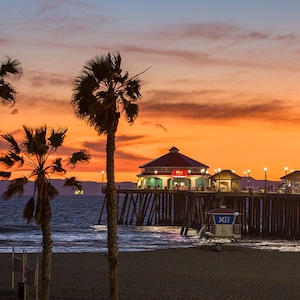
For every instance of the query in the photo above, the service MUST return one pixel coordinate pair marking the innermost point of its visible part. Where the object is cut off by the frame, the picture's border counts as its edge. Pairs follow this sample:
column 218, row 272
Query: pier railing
column 266, row 215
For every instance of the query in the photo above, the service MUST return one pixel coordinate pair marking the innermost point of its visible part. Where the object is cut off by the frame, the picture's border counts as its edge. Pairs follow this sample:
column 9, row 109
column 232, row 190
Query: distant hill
column 89, row 187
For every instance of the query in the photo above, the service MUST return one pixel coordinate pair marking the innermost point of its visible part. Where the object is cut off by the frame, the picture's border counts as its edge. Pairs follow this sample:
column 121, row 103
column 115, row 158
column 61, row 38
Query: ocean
column 74, row 229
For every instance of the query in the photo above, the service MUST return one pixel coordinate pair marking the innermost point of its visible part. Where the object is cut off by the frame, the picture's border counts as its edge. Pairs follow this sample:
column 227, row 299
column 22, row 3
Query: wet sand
column 194, row 273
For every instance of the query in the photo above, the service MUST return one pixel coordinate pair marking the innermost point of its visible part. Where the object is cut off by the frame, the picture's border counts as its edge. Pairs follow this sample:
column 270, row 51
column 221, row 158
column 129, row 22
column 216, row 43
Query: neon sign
column 179, row 173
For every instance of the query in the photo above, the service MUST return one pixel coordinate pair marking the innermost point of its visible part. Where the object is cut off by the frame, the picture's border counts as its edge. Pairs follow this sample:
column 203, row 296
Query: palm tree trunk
column 46, row 260
column 112, row 217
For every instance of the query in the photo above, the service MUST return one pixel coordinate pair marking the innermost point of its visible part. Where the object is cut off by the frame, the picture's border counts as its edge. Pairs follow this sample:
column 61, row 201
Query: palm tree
column 101, row 92
column 8, row 67
column 34, row 152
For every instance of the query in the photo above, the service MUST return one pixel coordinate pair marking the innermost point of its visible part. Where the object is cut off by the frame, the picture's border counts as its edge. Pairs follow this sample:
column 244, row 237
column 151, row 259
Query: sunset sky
column 223, row 85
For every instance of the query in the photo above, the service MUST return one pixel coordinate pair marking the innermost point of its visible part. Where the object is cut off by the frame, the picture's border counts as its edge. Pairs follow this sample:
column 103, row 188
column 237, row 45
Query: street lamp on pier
column 248, row 175
column 285, row 181
column 219, row 171
column 102, row 180
column 202, row 179
column 265, row 169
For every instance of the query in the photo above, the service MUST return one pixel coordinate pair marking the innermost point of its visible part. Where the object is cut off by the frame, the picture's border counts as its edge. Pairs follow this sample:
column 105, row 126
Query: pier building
column 290, row 182
column 174, row 171
column 225, row 181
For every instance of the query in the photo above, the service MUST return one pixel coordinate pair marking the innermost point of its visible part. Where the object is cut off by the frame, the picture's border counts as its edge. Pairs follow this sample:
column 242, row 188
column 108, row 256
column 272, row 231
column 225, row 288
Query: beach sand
column 194, row 273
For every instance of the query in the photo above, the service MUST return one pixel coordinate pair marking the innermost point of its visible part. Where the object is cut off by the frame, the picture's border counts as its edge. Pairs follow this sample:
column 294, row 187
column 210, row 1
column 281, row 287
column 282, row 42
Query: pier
column 263, row 214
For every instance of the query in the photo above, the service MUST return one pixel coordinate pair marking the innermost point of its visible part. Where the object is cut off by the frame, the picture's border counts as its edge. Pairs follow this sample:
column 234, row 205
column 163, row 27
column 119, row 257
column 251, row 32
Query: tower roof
column 226, row 174
column 174, row 159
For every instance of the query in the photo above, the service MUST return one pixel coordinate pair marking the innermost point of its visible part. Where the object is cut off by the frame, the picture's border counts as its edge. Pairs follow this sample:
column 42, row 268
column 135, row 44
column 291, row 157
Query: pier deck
column 265, row 215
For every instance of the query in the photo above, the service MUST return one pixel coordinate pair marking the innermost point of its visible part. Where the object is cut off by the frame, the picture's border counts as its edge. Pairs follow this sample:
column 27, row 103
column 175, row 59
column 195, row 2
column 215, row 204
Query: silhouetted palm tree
column 101, row 93
column 8, row 67
column 35, row 152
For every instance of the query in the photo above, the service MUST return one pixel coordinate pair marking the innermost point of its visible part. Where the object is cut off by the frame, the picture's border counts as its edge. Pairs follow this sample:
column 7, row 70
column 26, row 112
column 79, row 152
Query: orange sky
column 223, row 86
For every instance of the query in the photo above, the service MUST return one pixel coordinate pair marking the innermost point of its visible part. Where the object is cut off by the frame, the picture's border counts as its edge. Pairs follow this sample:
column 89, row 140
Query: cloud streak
column 268, row 110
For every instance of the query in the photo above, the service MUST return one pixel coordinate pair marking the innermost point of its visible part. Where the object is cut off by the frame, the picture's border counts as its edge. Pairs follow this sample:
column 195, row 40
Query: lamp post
column 202, row 179
column 245, row 181
column 285, row 180
column 155, row 178
column 265, row 169
column 219, row 171
column 248, row 173
column 102, row 180
column 189, row 171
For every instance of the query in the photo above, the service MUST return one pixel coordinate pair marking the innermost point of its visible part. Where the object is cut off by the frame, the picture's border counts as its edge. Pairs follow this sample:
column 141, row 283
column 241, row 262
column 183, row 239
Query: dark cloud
column 49, row 104
column 146, row 123
column 186, row 54
column 41, row 79
column 221, row 111
column 56, row 7
column 128, row 138
column 161, row 127
column 3, row 41
column 97, row 146
column 201, row 58
column 14, row 112
column 128, row 156
column 216, row 31
column 158, row 125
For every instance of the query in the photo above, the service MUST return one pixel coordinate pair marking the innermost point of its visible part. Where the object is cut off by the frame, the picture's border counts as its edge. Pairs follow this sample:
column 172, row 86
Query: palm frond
column 28, row 142
column 40, row 142
column 29, row 210
column 131, row 112
column 7, row 161
column 13, row 144
column 57, row 166
column 101, row 86
column 16, row 187
column 73, row 182
column 56, row 138
column 5, row 175
column 35, row 143
column 17, row 158
column 100, row 68
column 7, row 93
column 10, row 67
column 84, row 101
column 133, row 89
column 82, row 156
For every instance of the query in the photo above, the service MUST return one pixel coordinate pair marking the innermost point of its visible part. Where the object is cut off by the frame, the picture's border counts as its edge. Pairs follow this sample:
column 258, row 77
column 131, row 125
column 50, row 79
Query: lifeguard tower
column 223, row 224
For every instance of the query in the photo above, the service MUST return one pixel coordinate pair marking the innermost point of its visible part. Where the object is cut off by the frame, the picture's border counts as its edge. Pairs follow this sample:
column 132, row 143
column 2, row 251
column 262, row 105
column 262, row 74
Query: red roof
column 174, row 159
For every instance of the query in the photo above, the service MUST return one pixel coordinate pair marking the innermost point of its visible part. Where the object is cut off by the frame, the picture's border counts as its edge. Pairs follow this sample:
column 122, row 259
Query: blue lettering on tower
column 224, row 219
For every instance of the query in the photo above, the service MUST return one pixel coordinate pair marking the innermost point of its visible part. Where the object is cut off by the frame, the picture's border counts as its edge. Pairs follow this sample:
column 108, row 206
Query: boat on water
column 78, row 192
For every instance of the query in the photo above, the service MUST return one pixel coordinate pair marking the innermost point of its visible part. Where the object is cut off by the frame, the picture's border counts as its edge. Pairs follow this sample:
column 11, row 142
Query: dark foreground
column 171, row 274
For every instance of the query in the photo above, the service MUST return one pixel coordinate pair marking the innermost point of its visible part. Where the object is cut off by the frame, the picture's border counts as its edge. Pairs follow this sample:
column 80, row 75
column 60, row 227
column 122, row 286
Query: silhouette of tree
column 102, row 91
column 8, row 67
column 34, row 152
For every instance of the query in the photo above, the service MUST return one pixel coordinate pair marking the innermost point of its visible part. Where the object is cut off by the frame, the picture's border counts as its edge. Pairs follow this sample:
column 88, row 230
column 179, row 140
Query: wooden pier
column 265, row 215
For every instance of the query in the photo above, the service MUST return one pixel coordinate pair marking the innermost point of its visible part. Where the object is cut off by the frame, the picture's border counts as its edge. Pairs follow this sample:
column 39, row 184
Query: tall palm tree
column 102, row 91
column 8, row 67
column 35, row 152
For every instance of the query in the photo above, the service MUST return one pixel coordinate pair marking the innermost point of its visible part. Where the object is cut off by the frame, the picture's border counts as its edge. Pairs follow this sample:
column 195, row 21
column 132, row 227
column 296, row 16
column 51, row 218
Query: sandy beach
column 192, row 273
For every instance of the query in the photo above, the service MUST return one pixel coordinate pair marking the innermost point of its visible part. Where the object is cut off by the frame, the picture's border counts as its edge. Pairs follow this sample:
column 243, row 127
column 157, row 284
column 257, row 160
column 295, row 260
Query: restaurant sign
column 179, row 174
